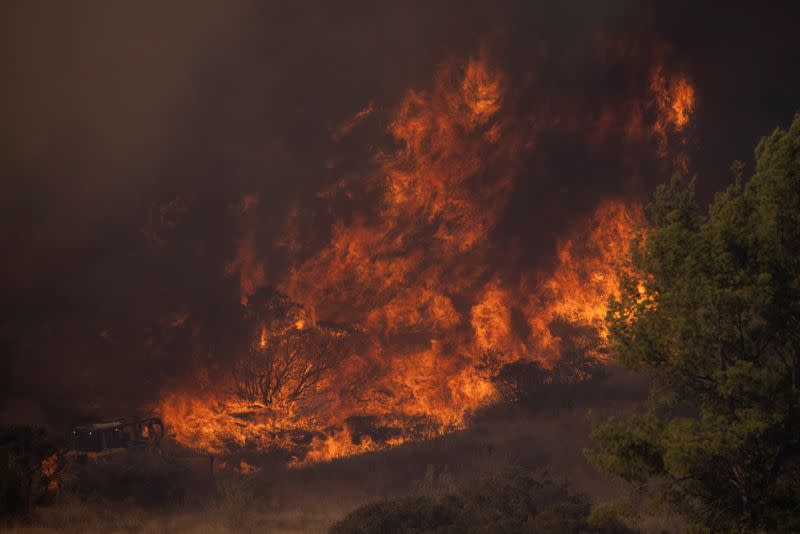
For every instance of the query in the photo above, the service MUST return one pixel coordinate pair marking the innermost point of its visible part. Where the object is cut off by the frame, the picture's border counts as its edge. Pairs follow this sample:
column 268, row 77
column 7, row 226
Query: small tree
column 290, row 364
column 718, row 329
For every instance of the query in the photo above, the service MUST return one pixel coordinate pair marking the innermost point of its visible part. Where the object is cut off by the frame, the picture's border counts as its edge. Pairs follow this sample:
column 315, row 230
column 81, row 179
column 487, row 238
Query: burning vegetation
column 407, row 320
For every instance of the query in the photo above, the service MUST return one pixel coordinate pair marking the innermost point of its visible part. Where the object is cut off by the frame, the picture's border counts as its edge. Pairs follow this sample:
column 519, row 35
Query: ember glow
column 417, row 275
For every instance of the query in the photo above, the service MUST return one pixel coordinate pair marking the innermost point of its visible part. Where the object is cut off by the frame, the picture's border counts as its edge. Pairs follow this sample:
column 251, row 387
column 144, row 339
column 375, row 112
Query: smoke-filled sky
column 153, row 153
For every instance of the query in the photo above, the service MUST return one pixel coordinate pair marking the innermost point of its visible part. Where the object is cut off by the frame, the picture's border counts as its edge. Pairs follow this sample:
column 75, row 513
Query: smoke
column 133, row 134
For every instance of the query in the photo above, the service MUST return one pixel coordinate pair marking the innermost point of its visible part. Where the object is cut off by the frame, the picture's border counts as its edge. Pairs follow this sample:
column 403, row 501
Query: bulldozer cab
column 119, row 434
column 99, row 455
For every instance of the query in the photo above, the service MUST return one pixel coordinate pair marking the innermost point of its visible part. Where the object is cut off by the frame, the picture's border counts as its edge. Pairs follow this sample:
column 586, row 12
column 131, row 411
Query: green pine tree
column 710, row 309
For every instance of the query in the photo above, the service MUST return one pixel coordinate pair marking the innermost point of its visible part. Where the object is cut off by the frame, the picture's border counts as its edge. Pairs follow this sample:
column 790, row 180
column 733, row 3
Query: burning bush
column 289, row 365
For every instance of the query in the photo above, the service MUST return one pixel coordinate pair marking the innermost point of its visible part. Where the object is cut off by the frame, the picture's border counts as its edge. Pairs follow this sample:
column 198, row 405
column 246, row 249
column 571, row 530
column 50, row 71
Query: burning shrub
column 286, row 366
column 290, row 359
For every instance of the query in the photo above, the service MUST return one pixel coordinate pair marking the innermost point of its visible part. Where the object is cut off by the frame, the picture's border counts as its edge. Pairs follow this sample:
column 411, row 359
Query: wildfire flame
column 674, row 100
column 416, row 275
column 262, row 340
column 585, row 276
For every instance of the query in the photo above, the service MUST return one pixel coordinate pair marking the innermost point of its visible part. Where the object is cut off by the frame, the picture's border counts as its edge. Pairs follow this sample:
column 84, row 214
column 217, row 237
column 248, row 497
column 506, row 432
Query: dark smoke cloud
column 132, row 131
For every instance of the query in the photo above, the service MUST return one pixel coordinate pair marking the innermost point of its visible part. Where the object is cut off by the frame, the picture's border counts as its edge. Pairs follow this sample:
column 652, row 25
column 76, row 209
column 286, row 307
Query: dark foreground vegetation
column 508, row 503
column 717, row 328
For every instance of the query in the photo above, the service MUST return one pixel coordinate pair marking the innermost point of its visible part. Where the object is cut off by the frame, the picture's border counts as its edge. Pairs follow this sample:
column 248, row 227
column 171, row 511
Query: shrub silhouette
column 511, row 503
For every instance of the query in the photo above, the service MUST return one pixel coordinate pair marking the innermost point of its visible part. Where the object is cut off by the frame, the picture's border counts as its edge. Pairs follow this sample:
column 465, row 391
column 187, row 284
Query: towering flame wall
column 420, row 273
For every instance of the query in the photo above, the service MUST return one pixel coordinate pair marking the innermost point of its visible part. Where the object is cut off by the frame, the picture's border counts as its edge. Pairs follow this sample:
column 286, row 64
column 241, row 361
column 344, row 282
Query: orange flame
column 416, row 275
column 50, row 465
column 262, row 341
column 585, row 276
column 674, row 101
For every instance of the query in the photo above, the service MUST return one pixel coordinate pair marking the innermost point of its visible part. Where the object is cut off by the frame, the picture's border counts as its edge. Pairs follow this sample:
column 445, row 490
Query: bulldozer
column 99, row 442
column 126, row 458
